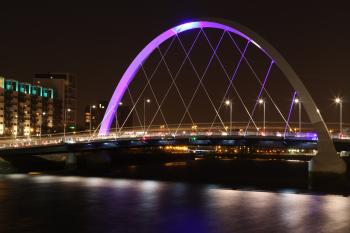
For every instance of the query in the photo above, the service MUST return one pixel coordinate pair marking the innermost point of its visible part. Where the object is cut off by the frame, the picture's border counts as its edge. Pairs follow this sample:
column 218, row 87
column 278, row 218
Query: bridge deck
column 251, row 141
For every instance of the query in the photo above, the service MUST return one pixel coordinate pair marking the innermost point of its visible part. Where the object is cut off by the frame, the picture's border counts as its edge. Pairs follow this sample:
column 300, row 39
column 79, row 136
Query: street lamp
column 42, row 120
column 340, row 102
column 263, row 102
column 65, row 122
column 229, row 103
column 91, row 106
column 116, row 121
column 298, row 102
column 145, row 101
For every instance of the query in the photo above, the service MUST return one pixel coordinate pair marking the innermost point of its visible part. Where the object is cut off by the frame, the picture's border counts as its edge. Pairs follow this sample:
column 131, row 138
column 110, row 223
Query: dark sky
column 97, row 42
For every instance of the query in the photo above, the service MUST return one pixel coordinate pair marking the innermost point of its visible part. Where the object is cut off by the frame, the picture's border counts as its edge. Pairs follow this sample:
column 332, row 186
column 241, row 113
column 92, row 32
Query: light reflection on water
column 76, row 204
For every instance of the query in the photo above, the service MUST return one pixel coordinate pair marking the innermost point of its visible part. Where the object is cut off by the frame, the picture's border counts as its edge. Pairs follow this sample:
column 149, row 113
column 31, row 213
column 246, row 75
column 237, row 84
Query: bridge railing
column 189, row 130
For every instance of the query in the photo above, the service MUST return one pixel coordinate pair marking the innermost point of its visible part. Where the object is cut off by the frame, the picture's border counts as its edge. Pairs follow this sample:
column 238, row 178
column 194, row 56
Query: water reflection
column 77, row 204
column 339, row 207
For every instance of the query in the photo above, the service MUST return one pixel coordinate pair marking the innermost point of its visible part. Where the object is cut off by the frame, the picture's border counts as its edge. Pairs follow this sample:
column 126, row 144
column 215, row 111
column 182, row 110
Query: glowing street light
column 42, row 120
column 298, row 102
column 65, row 122
column 229, row 103
column 145, row 101
column 116, row 121
column 91, row 106
column 262, row 102
column 339, row 101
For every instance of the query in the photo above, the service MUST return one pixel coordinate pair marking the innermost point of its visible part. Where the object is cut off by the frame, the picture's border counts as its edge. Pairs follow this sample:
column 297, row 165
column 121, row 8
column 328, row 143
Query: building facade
column 25, row 109
column 64, row 86
column 2, row 105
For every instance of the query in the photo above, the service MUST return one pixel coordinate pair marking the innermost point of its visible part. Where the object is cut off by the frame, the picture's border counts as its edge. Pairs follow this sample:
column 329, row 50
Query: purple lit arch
column 327, row 158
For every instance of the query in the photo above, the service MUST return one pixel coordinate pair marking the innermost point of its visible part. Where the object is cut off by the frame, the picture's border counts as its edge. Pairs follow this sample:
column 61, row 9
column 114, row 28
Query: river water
column 76, row 204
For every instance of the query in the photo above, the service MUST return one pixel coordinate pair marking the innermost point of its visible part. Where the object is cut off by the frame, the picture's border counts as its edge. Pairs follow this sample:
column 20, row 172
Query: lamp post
column 25, row 116
column 263, row 102
column 340, row 102
column 91, row 106
column 65, row 123
column 298, row 102
column 42, row 120
column 145, row 101
column 116, row 120
column 229, row 103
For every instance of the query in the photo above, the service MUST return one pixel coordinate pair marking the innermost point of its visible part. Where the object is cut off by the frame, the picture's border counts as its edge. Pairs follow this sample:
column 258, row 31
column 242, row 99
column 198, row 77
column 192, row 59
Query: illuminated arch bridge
column 243, row 41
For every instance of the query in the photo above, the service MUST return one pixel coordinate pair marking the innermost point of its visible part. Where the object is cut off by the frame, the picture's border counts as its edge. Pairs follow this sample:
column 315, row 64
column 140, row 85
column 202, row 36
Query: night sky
column 97, row 42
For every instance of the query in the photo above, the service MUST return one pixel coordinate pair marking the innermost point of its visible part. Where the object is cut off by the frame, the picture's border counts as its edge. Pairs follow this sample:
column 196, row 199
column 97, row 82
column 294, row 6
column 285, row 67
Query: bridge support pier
column 322, row 164
column 327, row 172
column 71, row 161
